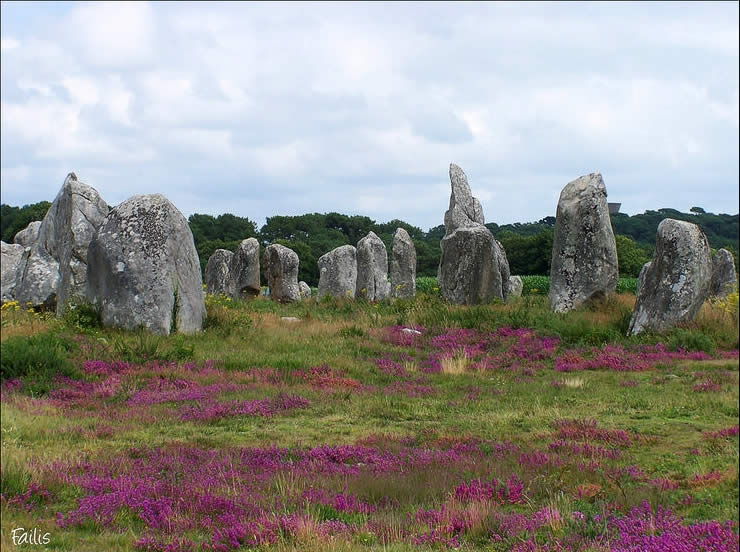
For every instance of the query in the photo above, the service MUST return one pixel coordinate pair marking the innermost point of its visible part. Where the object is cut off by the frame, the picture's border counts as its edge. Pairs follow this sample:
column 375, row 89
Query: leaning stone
column 470, row 269
column 464, row 210
column 245, row 270
column 515, row 286
column 13, row 258
column 29, row 235
column 677, row 281
column 338, row 272
column 372, row 268
column 403, row 265
column 280, row 264
column 143, row 269
column 304, row 289
column 218, row 277
column 724, row 275
column 641, row 277
column 584, row 251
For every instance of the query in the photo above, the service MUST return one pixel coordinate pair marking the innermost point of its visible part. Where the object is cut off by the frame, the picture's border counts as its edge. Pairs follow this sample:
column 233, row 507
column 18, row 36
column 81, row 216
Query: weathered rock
column 584, row 251
column 503, row 267
column 515, row 286
column 641, row 277
column 290, row 319
column 464, row 210
column 280, row 264
column 143, row 269
column 245, row 270
column 29, row 235
column 372, row 268
column 677, row 281
column 473, row 267
column 724, row 275
column 304, row 289
column 403, row 265
column 37, row 284
column 338, row 272
column 13, row 258
column 218, row 276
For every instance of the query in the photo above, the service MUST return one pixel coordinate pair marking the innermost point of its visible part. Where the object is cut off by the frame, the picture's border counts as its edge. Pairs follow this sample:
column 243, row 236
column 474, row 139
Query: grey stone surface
column 372, row 269
column 143, row 269
column 677, row 282
column 338, row 272
column 403, row 265
column 304, row 289
column 245, row 270
column 218, row 275
column 13, row 258
column 641, row 277
column 472, row 268
column 584, row 251
column 280, row 264
column 724, row 275
column 515, row 286
column 464, row 209
column 29, row 235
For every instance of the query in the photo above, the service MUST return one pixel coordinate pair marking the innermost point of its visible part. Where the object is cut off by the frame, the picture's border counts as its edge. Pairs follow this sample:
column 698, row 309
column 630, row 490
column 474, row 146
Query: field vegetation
column 412, row 425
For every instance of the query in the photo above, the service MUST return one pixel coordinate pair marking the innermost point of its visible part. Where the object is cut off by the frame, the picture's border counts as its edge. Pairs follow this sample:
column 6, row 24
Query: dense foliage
column 528, row 245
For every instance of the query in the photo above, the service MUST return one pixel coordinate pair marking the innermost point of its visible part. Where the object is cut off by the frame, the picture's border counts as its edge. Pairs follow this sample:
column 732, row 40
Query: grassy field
column 407, row 426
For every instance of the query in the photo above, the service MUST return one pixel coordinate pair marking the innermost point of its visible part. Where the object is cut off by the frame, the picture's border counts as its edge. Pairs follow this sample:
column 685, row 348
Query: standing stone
column 515, row 286
column 29, row 235
column 56, row 271
column 13, row 258
column 218, row 277
column 372, row 268
column 304, row 289
column 584, row 251
column 724, row 276
column 641, row 277
column 403, row 265
column 245, row 270
column 676, row 282
column 143, row 269
column 473, row 267
column 280, row 264
column 338, row 272
column 465, row 210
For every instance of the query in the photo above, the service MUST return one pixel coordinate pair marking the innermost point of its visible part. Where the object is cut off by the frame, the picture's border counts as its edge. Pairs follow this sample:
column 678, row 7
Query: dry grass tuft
column 455, row 364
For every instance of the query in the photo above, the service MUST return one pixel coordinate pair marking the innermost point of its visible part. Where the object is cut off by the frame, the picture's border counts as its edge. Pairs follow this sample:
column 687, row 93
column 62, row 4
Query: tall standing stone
column 143, row 269
column 473, row 267
column 245, row 270
column 676, row 282
column 280, row 264
column 338, row 272
column 372, row 268
column 56, row 271
column 724, row 275
column 584, row 251
column 403, row 265
column 218, row 275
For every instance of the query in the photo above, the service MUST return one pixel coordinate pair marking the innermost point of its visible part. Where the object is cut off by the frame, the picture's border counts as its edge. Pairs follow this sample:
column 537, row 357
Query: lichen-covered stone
column 724, row 275
column 280, row 264
column 465, row 210
column 218, row 275
column 13, row 258
column 676, row 282
column 515, row 286
column 245, row 270
column 304, row 289
column 29, row 235
column 472, row 268
column 372, row 269
column 143, row 269
column 338, row 272
column 403, row 265
column 584, row 251
column 641, row 277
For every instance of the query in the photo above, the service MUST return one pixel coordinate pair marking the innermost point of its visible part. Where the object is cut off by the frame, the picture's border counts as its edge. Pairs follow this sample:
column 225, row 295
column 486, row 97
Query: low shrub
column 36, row 360
column 427, row 284
column 535, row 285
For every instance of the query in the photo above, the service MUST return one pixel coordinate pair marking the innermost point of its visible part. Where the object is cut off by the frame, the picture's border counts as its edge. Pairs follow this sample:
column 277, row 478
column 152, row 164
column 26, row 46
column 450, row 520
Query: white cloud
column 7, row 44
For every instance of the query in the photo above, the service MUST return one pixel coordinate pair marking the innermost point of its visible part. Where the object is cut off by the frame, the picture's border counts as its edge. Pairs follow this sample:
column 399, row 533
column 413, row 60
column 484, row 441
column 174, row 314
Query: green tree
column 15, row 219
column 631, row 256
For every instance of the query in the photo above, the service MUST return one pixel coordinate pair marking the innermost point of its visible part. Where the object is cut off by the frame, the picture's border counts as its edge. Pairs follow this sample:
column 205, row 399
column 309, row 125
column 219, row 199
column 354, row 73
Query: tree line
column 528, row 245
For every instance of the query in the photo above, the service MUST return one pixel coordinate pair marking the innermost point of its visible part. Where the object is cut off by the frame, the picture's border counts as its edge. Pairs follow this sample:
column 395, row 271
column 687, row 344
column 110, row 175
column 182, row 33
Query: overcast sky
column 263, row 109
